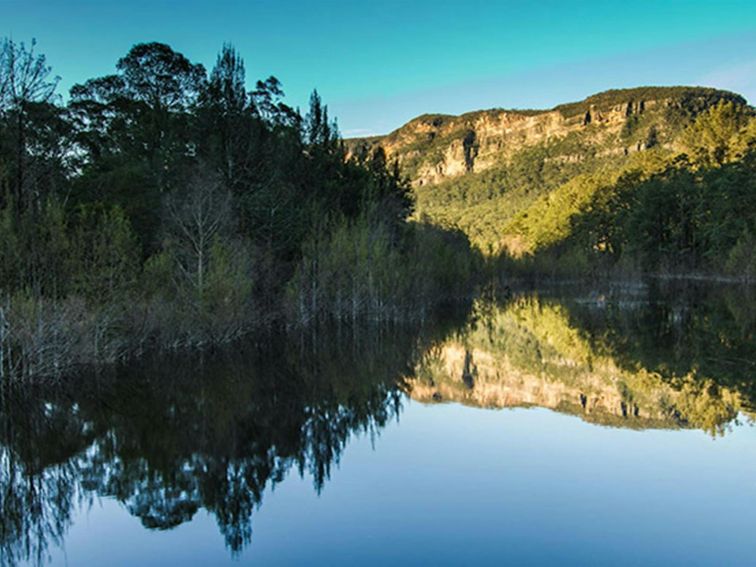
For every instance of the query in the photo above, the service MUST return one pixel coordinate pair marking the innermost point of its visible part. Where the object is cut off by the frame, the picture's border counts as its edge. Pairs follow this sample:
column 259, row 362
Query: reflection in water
column 655, row 358
column 174, row 435
column 170, row 436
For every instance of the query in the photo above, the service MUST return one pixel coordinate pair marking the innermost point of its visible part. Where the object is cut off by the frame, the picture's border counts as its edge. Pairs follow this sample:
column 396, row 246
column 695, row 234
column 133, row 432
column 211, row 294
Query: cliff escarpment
column 435, row 147
column 520, row 183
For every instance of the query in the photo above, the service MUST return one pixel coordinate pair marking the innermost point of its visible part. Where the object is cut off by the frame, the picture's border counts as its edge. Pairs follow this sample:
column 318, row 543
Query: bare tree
column 195, row 219
column 25, row 82
column 24, row 76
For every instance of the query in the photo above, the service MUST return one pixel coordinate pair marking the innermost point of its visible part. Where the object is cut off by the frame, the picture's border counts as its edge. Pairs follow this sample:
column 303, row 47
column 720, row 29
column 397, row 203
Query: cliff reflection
column 664, row 357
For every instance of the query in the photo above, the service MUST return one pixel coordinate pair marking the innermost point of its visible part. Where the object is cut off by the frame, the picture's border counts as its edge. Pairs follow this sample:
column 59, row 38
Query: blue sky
column 380, row 63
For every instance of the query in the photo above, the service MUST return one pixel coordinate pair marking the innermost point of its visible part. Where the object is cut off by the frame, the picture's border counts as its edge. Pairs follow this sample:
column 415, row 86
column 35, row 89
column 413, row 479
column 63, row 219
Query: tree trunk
column 20, row 151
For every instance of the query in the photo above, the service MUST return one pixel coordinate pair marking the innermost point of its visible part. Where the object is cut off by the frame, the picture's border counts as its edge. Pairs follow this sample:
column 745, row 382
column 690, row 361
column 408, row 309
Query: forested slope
column 648, row 179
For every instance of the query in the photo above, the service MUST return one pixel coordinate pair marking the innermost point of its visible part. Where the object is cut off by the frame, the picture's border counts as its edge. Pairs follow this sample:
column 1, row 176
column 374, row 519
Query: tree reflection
column 38, row 477
column 175, row 434
column 699, row 340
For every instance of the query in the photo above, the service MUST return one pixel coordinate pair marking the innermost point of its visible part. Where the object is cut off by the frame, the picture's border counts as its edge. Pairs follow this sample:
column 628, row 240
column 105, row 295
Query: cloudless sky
column 379, row 63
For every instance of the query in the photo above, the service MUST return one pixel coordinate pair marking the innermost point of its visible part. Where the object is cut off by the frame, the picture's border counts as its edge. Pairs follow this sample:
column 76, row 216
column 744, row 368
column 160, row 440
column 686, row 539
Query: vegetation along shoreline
column 165, row 207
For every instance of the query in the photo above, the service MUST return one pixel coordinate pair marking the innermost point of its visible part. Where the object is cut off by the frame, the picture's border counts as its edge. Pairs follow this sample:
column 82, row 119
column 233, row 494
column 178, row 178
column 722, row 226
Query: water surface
column 565, row 425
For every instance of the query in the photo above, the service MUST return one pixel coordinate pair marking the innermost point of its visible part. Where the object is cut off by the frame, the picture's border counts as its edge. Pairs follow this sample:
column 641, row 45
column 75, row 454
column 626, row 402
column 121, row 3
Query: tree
column 161, row 78
column 317, row 129
column 711, row 139
column 226, row 88
column 195, row 219
column 24, row 77
column 99, row 111
column 230, row 132
column 27, row 89
column 105, row 253
column 391, row 190
column 268, row 103
column 142, row 112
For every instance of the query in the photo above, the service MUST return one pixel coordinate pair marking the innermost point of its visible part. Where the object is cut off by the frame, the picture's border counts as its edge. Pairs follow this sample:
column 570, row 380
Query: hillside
column 515, row 180
column 436, row 147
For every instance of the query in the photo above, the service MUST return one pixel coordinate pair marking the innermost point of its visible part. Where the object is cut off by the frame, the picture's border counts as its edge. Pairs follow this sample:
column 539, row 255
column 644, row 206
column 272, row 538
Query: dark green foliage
column 104, row 253
column 166, row 207
column 34, row 135
column 684, row 220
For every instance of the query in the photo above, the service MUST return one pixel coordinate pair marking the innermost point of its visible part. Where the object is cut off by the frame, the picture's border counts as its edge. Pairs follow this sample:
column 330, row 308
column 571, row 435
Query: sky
column 380, row 63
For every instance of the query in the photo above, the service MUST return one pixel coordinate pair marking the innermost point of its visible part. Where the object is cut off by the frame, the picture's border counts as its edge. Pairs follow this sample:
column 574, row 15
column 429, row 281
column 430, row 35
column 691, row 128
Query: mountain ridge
column 434, row 147
column 578, row 186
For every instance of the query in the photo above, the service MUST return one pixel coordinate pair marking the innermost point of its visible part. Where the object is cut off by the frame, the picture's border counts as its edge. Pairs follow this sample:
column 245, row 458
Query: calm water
column 563, row 426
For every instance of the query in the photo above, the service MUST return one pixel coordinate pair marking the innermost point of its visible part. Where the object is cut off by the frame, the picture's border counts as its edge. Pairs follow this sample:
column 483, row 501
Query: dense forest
column 163, row 206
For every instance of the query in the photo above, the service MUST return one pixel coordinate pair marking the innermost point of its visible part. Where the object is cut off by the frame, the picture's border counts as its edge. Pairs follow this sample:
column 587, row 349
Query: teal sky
column 380, row 63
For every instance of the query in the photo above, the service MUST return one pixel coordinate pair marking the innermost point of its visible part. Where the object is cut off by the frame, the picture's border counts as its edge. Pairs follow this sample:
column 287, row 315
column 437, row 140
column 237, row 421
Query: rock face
column 435, row 147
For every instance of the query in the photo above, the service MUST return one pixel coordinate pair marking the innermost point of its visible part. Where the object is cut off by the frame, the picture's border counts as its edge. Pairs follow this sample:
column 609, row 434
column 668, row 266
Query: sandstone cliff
column 436, row 147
